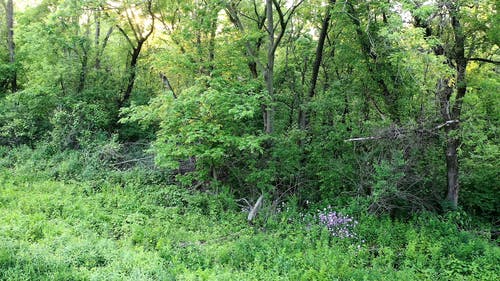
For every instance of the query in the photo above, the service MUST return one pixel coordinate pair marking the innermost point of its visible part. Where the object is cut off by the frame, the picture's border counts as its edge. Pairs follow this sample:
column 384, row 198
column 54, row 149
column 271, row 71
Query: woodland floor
column 52, row 230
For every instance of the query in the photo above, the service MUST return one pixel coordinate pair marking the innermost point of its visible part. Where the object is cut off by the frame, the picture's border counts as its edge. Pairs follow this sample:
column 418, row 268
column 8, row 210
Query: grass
column 54, row 230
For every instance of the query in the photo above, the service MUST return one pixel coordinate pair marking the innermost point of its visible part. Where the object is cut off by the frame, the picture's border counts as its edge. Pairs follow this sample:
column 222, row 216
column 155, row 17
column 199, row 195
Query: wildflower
column 337, row 224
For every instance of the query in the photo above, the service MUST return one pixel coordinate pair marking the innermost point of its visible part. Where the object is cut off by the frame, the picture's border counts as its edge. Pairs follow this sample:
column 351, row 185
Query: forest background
column 385, row 110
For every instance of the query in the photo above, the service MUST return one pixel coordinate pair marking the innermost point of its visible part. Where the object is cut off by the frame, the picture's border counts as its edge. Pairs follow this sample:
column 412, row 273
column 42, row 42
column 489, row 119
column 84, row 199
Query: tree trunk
column 250, row 50
column 452, row 171
column 268, row 108
column 373, row 66
column 211, row 46
column 97, row 17
column 131, row 74
column 100, row 49
column 83, row 71
column 10, row 42
column 453, row 140
column 303, row 118
column 140, row 38
column 451, row 113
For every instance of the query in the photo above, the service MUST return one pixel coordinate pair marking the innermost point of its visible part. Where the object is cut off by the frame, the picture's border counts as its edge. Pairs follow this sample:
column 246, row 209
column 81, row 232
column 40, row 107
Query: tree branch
column 126, row 36
column 485, row 60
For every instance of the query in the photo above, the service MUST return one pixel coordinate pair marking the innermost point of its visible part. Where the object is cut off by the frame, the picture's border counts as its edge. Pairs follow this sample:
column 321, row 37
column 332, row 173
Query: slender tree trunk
column 250, row 51
column 140, row 39
column 132, row 71
column 10, row 41
column 97, row 17
column 83, row 71
column 211, row 46
column 453, row 140
column 452, row 171
column 451, row 109
column 100, row 49
column 303, row 113
column 451, row 113
column 371, row 58
column 167, row 84
column 268, row 108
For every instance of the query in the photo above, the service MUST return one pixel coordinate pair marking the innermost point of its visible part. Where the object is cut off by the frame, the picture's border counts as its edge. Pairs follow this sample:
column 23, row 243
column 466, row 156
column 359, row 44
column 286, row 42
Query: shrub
column 24, row 116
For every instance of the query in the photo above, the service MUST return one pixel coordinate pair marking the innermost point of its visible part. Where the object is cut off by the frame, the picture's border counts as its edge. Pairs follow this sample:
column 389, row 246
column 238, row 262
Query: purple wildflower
column 337, row 224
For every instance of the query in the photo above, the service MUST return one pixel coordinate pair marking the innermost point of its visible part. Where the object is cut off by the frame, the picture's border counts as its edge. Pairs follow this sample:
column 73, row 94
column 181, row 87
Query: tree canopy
column 393, row 102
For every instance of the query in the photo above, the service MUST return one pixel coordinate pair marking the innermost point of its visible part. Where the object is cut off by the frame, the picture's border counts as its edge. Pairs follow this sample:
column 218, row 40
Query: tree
column 9, row 11
column 458, row 50
column 140, row 34
column 275, row 33
column 303, row 119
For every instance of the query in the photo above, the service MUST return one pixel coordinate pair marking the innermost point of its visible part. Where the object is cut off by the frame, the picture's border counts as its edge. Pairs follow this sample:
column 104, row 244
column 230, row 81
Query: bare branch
column 485, row 60
column 447, row 123
column 133, row 160
column 255, row 209
column 399, row 132
column 364, row 138
column 126, row 36
column 136, row 33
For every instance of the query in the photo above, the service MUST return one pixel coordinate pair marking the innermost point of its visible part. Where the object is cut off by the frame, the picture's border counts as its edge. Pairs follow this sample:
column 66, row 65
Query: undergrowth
column 122, row 225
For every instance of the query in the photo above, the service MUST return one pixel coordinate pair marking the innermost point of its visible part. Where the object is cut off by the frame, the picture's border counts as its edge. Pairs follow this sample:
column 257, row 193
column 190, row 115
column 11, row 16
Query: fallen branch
column 255, row 209
column 447, row 123
column 400, row 132
column 364, row 139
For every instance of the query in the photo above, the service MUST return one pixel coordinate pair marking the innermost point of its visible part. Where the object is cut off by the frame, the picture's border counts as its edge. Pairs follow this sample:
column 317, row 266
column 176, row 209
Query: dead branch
column 399, row 132
column 364, row 138
column 255, row 209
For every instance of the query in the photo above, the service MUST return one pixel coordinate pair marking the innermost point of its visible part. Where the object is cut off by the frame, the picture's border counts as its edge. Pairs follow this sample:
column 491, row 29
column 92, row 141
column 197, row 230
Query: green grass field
column 53, row 230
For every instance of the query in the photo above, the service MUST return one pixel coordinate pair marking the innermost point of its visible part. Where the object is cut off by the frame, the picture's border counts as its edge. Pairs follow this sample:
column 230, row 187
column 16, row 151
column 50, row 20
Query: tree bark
column 100, row 49
column 268, row 108
column 452, row 171
column 265, row 22
column 253, row 63
column 140, row 39
column 10, row 42
column 97, row 17
column 451, row 113
column 131, row 71
column 83, row 71
column 211, row 46
column 453, row 140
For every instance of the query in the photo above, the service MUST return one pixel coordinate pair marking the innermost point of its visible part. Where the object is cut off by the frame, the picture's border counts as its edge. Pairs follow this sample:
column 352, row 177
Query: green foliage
column 56, row 231
column 7, row 73
column 208, row 122
column 78, row 125
column 199, row 96
column 24, row 116
column 480, row 150
column 96, row 185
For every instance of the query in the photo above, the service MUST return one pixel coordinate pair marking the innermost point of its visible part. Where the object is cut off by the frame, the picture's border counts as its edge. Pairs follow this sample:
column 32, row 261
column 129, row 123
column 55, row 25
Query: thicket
column 390, row 108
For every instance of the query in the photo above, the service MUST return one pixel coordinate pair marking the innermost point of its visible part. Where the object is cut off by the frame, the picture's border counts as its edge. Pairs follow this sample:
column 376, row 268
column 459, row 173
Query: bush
column 77, row 126
column 24, row 116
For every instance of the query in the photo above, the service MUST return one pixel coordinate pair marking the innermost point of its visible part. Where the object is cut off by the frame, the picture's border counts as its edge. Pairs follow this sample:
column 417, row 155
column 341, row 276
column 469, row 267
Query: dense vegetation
column 126, row 228
column 244, row 139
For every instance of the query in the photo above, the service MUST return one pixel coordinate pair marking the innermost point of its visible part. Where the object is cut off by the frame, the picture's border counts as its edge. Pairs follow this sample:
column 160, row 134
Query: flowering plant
column 338, row 225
